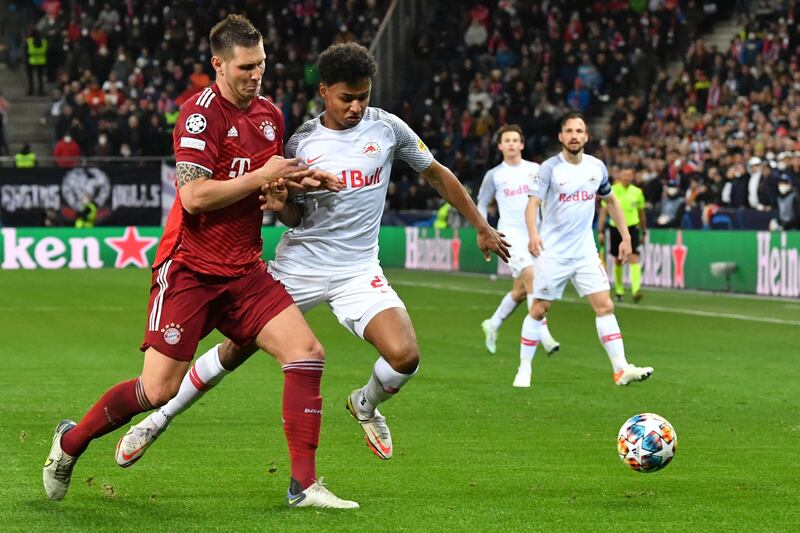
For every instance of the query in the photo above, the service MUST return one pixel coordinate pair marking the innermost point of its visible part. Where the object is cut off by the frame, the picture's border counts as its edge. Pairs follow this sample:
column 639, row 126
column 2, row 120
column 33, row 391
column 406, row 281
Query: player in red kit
column 209, row 274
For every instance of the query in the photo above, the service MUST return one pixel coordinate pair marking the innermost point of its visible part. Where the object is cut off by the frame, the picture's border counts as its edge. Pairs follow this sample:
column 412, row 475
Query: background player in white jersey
column 509, row 184
column 331, row 253
column 568, row 185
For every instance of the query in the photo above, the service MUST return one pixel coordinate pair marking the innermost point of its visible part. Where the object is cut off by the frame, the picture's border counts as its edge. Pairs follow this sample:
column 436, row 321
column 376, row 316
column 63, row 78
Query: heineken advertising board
column 765, row 263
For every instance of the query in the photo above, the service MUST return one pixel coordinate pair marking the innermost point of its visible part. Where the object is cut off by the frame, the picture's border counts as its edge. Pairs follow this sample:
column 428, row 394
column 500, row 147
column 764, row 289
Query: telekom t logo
column 239, row 167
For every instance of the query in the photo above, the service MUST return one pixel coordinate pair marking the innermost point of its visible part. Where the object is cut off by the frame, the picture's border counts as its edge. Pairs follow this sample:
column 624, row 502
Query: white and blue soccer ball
column 646, row 442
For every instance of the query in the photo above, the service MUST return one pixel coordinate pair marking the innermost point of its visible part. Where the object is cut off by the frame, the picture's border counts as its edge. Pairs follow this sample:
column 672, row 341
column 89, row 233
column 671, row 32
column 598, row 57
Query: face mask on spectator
column 784, row 188
column 672, row 192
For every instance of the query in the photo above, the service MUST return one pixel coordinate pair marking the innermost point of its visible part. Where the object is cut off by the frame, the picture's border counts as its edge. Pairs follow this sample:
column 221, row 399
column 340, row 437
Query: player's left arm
column 642, row 215
column 615, row 210
column 449, row 188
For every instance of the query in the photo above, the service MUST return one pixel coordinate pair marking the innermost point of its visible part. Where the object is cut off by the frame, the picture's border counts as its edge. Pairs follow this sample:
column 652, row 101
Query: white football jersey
column 339, row 231
column 510, row 186
column 569, row 193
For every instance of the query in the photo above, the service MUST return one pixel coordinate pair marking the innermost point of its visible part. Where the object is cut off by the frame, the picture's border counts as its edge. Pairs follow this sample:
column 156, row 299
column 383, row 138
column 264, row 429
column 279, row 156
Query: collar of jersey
column 339, row 132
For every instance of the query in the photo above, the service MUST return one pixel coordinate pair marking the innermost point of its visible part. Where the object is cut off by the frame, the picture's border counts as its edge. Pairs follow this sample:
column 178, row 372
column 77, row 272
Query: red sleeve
column 198, row 132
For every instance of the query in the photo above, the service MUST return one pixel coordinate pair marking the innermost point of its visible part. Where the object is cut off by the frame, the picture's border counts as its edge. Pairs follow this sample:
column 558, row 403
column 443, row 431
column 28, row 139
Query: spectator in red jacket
column 67, row 152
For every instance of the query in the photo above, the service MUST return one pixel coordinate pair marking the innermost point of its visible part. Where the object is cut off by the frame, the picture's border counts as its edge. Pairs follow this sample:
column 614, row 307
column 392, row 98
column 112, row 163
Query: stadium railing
column 390, row 47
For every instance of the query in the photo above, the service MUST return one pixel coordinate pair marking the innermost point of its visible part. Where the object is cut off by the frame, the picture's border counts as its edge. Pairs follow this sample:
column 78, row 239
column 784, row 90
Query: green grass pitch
column 471, row 452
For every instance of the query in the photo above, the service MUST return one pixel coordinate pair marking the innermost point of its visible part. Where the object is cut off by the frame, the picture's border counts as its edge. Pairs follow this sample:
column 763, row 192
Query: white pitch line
column 51, row 309
column 656, row 308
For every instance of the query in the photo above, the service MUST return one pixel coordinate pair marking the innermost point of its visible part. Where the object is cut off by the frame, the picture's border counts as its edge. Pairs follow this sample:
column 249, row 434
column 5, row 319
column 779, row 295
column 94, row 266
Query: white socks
column 506, row 307
column 529, row 340
column 204, row 374
column 384, row 383
column 610, row 336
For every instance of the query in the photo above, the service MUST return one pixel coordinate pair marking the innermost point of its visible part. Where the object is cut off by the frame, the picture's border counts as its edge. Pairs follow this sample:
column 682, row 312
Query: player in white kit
column 568, row 185
column 331, row 253
column 509, row 184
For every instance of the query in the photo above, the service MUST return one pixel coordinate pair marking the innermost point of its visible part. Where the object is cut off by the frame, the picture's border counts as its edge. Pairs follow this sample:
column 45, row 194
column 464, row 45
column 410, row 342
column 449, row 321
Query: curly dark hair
column 347, row 62
column 233, row 30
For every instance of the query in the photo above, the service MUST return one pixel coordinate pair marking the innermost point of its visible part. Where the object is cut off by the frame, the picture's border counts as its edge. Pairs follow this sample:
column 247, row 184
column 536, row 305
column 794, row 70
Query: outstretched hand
column 274, row 195
column 491, row 241
column 535, row 245
column 278, row 167
column 317, row 180
column 625, row 250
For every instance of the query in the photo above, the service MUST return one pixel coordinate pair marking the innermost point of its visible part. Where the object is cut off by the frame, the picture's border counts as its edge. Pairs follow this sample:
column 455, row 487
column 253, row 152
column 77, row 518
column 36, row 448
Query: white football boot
column 376, row 432
column 134, row 443
column 57, row 471
column 550, row 345
column 316, row 495
column 491, row 336
column 632, row 373
column 523, row 377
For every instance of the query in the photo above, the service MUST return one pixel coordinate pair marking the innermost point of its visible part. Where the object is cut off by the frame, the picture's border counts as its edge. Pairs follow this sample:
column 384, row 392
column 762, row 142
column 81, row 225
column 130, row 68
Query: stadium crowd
column 721, row 135
column 528, row 63
column 123, row 70
column 720, row 141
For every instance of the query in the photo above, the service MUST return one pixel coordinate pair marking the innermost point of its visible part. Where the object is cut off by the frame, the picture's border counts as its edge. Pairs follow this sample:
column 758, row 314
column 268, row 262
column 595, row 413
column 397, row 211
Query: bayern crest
column 268, row 128
column 172, row 333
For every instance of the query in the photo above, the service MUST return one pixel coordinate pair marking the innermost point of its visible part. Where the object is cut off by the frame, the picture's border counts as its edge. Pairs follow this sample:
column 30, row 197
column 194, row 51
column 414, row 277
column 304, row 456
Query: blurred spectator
column 36, row 53
column 788, row 204
column 672, row 207
column 4, row 107
column 25, row 158
column 66, row 153
column 12, row 26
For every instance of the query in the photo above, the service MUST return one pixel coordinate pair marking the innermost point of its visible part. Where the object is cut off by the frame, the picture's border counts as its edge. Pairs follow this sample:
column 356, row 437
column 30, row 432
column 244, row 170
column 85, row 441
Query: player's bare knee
column 403, row 357
column 604, row 308
column 160, row 393
column 316, row 351
column 232, row 355
column 539, row 309
column 518, row 294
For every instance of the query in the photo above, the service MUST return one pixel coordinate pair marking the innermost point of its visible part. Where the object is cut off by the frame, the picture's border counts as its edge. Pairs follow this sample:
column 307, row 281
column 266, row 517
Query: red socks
column 116, row 407
column 302, row 417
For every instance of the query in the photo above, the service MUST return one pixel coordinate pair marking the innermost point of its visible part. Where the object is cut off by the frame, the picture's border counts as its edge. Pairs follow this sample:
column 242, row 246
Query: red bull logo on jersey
column 371, row 149
column 522, row 189
column 577, row 196
column 355, row 179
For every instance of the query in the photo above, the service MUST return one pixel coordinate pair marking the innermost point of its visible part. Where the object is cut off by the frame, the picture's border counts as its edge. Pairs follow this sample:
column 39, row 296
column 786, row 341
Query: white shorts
column 355, row 296
column 520, row 258
column 586, row 274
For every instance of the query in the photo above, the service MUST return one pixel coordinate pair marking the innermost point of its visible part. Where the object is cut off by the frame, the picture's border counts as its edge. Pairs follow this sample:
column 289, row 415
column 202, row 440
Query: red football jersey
column 214, row 134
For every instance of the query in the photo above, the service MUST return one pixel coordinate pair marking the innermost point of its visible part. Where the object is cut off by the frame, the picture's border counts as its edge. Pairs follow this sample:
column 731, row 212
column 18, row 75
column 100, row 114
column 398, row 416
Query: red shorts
column 185, row 306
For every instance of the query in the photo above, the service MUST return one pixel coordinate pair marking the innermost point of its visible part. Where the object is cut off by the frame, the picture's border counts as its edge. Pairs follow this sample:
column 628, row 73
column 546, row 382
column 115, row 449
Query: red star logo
column 679, row 252
column 131, row 248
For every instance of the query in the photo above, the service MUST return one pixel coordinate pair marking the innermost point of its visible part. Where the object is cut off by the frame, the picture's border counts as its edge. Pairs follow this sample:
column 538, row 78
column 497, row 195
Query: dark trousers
column 39, row 71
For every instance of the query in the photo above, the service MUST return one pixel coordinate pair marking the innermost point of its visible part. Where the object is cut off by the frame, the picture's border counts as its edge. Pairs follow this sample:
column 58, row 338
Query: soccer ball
column 646, row 442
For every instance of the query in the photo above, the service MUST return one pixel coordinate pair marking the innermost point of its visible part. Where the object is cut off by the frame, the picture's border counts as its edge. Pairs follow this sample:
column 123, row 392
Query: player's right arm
column 199, row 192
column 535, row 244
column 601, row 223
column 486, row 193
column 538, row 190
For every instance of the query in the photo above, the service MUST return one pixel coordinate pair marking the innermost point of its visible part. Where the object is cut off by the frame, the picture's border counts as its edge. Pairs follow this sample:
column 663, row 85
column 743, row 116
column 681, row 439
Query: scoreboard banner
column 123, row 195
column 757, row 262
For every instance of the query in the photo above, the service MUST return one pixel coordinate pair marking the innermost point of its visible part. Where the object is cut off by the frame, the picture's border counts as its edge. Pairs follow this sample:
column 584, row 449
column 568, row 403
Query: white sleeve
column 408, row 146
column 486, row 193
column 541, row 182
